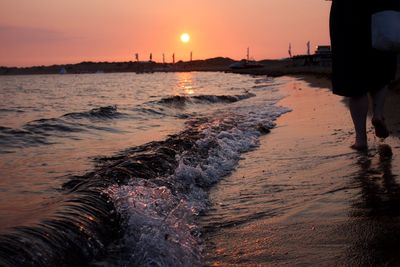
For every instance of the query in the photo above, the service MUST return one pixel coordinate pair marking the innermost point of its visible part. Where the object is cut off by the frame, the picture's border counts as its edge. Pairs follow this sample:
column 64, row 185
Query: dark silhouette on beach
column 359, row 70
column 375, row 232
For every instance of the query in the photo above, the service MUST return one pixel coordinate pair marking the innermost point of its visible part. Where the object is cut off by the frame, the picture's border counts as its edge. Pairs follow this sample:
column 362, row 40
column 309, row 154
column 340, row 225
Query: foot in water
column 381, row 130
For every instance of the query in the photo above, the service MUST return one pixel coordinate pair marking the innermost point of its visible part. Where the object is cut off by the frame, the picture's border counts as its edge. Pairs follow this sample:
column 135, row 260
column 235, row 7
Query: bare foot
column 381, row 130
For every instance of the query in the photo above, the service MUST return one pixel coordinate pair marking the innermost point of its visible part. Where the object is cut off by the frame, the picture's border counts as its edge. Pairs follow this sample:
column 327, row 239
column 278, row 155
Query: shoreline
column 271, row 67
column 304, row 197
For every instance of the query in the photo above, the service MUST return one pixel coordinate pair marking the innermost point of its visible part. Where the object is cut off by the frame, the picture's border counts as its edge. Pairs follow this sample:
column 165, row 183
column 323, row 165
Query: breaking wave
column 140, row 207
column 180, row 101
column 108, row 112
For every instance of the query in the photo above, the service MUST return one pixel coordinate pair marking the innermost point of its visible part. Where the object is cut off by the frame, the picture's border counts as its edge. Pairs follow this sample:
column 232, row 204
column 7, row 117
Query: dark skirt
column 357, row 68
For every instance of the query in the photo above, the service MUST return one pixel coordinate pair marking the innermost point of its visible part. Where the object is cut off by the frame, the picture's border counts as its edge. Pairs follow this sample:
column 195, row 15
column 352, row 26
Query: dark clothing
column 357, row 68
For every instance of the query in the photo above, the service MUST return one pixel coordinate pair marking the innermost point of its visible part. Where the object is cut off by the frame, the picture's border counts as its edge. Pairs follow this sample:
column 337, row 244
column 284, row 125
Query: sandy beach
column 304, row 198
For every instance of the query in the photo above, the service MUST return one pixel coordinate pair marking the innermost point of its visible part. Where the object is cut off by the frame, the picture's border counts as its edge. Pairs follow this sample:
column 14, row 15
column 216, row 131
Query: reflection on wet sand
column 304, row 198
column 376, row 235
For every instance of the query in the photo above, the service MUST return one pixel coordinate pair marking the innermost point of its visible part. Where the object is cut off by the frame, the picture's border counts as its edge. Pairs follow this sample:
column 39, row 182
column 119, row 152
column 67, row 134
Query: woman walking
column 358, row 70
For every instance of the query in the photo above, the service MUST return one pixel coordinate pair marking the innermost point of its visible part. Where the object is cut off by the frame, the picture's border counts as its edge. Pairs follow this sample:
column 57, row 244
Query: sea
column 115, row 169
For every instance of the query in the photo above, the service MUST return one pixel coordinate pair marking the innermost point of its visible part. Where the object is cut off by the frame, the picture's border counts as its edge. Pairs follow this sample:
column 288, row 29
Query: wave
column 47, row 126
column 223, row 98
column 12, row 138
column 180, row 101
column 158, row 112
column 84, row 226
column 140, row 207
column 107, row 112
column 11, row 110
column 39, row 132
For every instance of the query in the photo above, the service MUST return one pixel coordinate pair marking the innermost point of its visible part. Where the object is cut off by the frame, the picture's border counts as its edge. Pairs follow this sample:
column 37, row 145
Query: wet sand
column 304, row 198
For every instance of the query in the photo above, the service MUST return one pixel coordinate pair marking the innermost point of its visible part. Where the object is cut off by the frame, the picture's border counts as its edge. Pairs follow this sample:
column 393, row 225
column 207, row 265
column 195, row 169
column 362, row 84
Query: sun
column 185, row 37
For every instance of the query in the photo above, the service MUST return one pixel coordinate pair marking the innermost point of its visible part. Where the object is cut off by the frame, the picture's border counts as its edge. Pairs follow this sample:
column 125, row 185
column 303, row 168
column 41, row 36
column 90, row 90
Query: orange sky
column 43, row 32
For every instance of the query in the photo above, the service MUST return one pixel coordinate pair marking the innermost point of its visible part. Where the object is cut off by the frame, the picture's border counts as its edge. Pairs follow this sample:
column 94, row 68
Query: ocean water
column 114, row 169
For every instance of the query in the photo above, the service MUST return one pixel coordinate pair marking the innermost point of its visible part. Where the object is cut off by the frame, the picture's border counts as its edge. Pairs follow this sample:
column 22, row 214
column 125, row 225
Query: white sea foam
column 160, row 221
column 159, row 230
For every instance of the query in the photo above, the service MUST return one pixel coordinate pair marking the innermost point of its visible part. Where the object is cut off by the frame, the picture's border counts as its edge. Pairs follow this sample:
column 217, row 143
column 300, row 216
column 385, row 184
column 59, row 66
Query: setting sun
column 185, row 38
column 179, row 127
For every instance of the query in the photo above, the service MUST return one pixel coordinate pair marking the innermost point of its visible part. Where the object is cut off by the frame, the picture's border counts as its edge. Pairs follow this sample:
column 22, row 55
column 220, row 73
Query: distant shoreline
column 89, row 67
column 271, row 67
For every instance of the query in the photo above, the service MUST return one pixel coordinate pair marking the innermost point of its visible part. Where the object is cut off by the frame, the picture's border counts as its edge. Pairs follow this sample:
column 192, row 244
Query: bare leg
column 378, row 100
column 378, row 120
column 358, row 111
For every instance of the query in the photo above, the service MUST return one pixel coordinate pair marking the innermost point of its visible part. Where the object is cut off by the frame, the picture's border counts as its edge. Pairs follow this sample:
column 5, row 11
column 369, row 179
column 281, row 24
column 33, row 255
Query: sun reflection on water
column 185, row 84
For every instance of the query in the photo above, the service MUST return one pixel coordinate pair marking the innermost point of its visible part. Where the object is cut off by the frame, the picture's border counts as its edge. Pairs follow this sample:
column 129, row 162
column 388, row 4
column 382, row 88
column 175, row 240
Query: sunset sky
column 43, row 32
